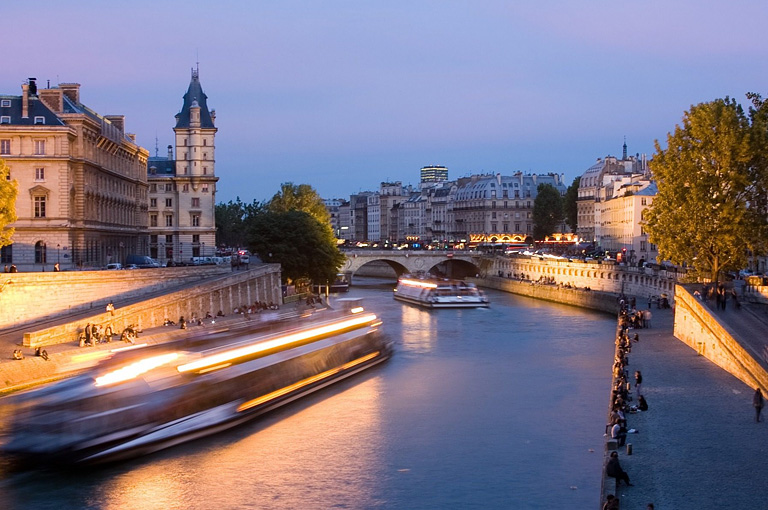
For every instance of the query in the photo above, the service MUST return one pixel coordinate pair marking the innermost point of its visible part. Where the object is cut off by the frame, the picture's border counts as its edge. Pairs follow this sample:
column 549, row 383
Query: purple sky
column 342, row 95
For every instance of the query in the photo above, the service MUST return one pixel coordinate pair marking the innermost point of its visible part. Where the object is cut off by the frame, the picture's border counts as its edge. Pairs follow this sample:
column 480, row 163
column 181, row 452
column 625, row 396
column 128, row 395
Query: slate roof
column 164, row 167
column 36, row 109
column 194, row 94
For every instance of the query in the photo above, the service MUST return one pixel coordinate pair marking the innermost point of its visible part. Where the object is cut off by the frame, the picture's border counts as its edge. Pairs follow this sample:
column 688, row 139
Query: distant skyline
column 342, row 95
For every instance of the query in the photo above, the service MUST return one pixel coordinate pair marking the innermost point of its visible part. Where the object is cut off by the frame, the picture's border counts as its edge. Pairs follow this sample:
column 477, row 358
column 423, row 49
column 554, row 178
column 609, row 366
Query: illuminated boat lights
column 417, row 283
column 135, row 369
column 282, row 341
column 305, row 382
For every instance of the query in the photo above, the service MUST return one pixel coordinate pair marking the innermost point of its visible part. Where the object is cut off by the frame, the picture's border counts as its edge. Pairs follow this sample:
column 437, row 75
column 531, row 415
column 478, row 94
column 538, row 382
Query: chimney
column 213, row 116
column 131, row 137
column 52, row 99
column 117, row 120
column 71, row 90
column 24, row 101
column 170, row 152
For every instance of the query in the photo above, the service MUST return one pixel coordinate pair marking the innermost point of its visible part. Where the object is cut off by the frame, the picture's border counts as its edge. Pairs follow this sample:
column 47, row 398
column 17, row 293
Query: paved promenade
column 698, row 446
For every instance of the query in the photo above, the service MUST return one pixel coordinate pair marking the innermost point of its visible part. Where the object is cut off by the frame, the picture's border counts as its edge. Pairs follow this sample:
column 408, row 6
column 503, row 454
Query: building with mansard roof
column 82, row 182
column 598, row 175
column 182, row 189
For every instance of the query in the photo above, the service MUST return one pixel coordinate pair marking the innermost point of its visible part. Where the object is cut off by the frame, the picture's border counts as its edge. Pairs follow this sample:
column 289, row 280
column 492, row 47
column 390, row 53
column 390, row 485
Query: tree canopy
column 303, row 246
column 711, row 205
column 8, row 192
column 300, row 197
column 570, row 204
column 231, row 221
column 547, row 211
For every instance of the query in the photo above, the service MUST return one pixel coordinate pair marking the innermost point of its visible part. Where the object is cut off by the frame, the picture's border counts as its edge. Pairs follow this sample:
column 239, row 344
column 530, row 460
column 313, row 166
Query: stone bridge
column 454, row 264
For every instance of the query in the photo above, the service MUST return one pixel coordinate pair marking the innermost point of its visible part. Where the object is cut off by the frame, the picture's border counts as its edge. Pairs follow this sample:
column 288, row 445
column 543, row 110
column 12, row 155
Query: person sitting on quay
column 42, row 353
column 611, row 502
column 613, row 469
column 182, row 323
column 17, row 354
column 757, row 403
column 619, row 433
column 642, row 405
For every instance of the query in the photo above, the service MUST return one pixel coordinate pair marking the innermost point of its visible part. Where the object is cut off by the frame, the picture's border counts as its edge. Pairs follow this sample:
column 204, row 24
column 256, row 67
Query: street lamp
column 203, row 254
column 58, row 253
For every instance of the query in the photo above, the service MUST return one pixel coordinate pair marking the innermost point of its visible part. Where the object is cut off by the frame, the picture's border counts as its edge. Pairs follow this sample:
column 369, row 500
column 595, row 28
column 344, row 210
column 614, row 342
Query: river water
column 499, row 408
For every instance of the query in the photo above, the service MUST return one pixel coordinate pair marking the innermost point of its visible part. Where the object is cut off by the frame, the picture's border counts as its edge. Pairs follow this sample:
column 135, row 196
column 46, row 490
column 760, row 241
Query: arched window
column 40, row 255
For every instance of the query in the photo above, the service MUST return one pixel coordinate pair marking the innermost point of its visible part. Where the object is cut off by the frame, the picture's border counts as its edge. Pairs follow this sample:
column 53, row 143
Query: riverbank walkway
column 698, row 446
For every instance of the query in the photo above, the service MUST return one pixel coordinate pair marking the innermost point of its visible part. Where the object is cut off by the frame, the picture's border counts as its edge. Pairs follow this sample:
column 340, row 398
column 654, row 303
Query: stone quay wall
column 231, row 289
column 29, row 297
column 604, row 276
column 708, row 336
column 594, row 300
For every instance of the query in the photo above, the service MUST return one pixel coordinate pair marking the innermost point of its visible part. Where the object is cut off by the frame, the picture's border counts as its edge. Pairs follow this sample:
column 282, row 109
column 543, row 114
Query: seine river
column 499, row 408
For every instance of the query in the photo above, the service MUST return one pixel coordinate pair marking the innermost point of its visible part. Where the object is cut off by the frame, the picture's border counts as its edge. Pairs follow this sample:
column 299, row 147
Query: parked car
column 141, row 261
column 114, row 266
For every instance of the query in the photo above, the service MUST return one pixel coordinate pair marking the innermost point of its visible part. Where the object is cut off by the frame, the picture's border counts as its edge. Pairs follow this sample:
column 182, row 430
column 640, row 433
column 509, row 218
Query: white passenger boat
column 143, row 400
column 433, row 292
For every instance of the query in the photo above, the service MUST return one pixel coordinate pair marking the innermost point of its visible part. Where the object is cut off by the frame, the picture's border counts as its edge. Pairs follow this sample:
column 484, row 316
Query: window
column 6, row 254
column 643, row 246
column 5, row 119
column 39, row 147
column 39, row 174
column 39, row 119
column 39, row 207
column 195, row 202
column 185, row 188
column 205, row 141
column 153, row 220
column 153, row 202
column 196, row 238
column 153, row 188
column 169, row 220
column 169, row 202
column 195, row 220
column 5, row 103
column 169, row 239
column 5, row 146
column 168, row 186
column 40, row 253
column 205, row 170
column 642, row 201
column 517, row 227
column 205, row 188
column 153, row 239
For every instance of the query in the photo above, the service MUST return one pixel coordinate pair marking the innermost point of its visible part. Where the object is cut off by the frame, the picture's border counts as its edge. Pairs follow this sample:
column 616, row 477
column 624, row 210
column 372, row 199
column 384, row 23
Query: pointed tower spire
column 624, row 152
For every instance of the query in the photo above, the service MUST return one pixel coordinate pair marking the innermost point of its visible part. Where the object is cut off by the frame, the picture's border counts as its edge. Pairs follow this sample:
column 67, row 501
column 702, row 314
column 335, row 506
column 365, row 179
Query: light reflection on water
column 488, row 408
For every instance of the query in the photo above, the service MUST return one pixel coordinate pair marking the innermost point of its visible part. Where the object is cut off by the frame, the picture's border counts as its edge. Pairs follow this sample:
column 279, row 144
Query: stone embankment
column 29, row 297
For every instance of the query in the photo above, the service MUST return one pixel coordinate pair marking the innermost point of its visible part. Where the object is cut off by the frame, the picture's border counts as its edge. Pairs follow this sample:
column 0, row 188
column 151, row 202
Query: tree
column 299, row 198
column 231, row 221
column 711, row 204
column 8, row 192
column 302, row 245
column 547, row 211
column 570, row 204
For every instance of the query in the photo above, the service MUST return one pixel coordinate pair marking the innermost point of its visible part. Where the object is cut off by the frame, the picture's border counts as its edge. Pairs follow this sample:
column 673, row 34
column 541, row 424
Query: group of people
column 95, row 334
column 621, row 395
column 720, row 293
column 10, row 269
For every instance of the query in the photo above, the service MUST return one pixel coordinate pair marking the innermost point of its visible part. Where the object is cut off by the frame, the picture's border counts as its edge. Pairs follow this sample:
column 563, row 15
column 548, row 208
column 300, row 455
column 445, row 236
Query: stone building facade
column 182, row 190
column 82, row 184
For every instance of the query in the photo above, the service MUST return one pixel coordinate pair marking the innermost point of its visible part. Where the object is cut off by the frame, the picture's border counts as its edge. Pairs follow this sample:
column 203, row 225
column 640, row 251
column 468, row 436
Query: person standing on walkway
column 638, row 383
column 757, row 403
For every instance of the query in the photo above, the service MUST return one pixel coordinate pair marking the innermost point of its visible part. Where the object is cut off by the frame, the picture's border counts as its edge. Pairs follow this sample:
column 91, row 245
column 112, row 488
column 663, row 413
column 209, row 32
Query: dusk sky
column 342, row 95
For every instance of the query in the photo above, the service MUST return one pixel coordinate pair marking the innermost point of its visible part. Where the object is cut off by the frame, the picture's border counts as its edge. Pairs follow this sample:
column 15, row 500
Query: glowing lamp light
column 135, row 369
column 282, row 341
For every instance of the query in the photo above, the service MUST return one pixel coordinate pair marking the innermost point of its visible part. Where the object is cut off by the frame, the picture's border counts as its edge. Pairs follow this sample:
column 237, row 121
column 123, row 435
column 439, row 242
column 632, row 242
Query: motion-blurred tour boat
column 147, row 399
column 439, row 292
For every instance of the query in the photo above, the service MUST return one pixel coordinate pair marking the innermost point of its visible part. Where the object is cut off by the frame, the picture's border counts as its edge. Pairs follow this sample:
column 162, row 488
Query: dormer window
column 39, row 120
column 5, row 103
column 5, row 119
